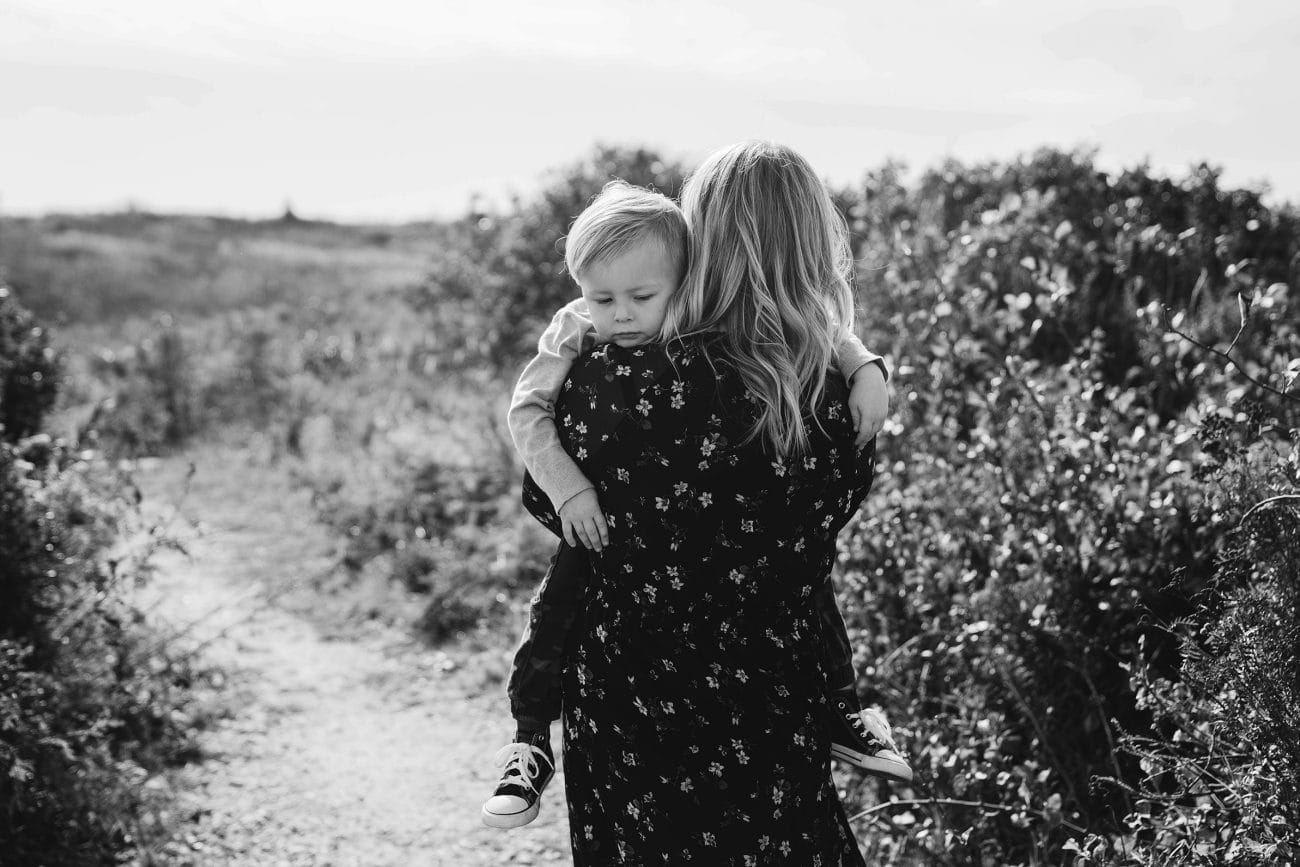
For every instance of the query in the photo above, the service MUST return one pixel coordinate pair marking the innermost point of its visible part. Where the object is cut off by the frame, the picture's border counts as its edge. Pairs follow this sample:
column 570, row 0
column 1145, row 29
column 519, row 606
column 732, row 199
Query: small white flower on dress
column 706, row 499
column 581, row 427
column 707, row 448
column 643, row 406
column 677, row 401
column 622, row 370
column 779, row 466
column 661, row 504
column 747, row 526
column 785, row 847
column 715, row 768
column 581, row 454
column 687, row 785
column 680, row 488
column 709, row 839
column 623, row 475
column 741, row 676
column 809, row 462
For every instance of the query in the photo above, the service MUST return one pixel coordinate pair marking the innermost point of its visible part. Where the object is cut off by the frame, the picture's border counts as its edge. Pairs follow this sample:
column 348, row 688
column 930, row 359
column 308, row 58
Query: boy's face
column 628, row 294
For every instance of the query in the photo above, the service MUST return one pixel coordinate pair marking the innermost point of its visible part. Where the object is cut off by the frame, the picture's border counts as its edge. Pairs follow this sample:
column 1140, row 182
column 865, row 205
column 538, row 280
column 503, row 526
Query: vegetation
column 1074, row 586
column 91, row 702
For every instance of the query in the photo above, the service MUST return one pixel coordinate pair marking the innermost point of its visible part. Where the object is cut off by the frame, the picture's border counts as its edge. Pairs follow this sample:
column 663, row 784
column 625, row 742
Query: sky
column 387, row 111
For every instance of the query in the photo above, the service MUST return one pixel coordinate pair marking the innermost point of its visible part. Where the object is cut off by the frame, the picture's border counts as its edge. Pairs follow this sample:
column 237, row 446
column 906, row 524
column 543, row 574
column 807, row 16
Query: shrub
column 1220, row 770
column 90, row 703
column 29, row 370
column 1039, row 535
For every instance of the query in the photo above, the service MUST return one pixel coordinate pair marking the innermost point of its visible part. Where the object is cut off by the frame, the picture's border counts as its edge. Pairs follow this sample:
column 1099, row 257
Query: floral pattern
column 694, row 717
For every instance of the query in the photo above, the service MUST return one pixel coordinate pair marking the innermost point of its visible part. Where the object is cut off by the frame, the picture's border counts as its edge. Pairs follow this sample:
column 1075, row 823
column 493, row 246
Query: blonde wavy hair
column 769, row 268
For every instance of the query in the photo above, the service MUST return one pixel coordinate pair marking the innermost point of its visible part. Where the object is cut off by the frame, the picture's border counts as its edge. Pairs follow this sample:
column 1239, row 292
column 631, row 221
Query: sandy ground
column 344, row 745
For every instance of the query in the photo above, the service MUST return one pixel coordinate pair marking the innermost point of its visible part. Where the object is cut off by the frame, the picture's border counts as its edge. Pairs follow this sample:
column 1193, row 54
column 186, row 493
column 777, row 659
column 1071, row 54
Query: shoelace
column 856, row 723
column 520, row 764
column 884, row 734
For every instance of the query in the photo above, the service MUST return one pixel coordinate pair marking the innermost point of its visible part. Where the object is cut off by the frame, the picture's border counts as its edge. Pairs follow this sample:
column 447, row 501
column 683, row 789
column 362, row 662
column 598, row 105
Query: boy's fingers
column 593, row 533
column 604, row 530
column 582, row 534
column 568, row 535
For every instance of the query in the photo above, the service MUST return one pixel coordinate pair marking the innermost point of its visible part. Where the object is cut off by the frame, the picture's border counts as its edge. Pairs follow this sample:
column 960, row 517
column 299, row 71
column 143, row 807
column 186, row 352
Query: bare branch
column 1226, row 357
column 950, row 802
column 1262, row 503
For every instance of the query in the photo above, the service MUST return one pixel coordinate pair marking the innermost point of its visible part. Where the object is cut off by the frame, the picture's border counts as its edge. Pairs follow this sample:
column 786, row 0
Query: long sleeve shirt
column 532, row 407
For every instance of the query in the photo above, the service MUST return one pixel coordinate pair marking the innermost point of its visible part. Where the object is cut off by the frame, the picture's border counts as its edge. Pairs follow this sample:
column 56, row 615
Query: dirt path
column 344, row 746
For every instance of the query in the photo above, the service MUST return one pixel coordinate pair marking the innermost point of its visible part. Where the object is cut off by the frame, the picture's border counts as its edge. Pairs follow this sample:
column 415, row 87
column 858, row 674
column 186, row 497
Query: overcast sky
column 388, row 110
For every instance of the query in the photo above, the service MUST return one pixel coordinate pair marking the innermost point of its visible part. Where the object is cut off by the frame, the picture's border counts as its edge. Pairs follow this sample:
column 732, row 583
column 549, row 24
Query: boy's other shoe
column 864, row 738
column 527, row 767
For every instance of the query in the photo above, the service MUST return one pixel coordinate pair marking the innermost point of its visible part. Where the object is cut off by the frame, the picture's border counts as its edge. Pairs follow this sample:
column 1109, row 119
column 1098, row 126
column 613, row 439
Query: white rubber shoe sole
column 886, row 763
column 494, row 819
column 512, row 811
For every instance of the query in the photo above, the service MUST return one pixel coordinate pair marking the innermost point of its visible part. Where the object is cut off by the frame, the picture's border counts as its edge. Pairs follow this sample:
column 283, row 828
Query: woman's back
column 698, row 639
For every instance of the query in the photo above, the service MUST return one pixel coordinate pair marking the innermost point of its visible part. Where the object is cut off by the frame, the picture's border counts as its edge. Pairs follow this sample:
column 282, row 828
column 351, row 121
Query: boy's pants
column 534, row 685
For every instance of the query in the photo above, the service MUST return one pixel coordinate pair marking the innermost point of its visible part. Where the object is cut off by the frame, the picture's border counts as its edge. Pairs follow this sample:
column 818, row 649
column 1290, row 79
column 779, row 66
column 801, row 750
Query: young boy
column 627, row 252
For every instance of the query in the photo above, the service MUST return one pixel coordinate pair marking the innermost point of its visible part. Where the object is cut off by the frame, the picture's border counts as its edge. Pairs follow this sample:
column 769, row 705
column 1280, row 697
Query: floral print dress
column 694, row 713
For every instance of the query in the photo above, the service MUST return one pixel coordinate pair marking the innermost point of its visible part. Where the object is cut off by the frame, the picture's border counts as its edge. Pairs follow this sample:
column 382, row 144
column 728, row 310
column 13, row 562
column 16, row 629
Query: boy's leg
column 528, row 764
column 534, row 685
column 837, row 652
column 859, row 737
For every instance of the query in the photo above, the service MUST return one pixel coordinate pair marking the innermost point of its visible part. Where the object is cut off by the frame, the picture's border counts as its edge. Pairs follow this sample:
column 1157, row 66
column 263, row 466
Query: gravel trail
column 344, row 745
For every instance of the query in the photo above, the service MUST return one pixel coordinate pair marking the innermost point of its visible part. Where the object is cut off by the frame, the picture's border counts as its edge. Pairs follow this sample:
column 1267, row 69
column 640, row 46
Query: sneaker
column 527, row 768
column 863, row 738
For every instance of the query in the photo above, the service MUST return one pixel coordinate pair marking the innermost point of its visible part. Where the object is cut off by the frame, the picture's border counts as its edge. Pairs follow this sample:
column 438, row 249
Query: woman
column 695, row 723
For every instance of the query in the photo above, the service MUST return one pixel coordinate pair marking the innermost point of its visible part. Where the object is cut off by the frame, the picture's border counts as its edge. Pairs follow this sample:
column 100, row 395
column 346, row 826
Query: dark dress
column 694, row 714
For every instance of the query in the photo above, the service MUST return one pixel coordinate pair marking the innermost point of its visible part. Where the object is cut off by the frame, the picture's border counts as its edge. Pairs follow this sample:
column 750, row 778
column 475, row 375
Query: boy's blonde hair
column 769, row 267
column 620, row 216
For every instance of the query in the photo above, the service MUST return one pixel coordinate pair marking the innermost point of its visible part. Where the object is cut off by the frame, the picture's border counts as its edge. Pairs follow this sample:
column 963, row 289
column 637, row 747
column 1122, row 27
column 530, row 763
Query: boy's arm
column 851, row 355
column 531, row 418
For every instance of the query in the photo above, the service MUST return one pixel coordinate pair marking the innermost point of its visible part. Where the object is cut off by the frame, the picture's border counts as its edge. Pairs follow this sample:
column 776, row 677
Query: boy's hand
column 584, row 522
column 868, row 402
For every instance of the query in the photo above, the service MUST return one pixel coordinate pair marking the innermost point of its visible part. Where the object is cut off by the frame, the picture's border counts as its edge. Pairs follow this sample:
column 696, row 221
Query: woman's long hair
column 769, row 267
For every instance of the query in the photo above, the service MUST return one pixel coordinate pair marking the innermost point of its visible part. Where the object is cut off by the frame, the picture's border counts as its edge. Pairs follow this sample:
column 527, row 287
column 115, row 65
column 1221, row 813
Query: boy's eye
column 604, row 300
column 643, row 297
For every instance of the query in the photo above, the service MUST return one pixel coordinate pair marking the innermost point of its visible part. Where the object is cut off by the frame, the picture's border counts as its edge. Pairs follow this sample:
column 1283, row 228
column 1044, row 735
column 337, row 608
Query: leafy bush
column 29, row 370
column 90, row 703
column 1041, row 535
column 1220, row 771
